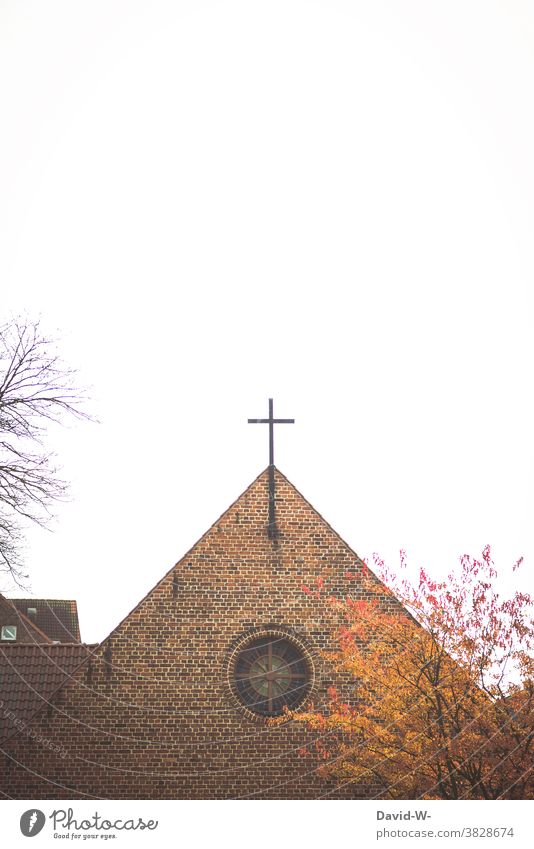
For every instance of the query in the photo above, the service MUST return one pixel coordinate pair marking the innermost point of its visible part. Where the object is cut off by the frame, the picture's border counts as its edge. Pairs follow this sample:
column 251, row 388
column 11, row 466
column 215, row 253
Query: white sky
column 327, row 202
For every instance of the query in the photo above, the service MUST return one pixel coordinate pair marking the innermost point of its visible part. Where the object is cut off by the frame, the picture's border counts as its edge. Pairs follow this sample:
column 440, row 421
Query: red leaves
column 347, row 642
column 319, row 587
column 456, row 664
column 517, row 564
column 321, row 750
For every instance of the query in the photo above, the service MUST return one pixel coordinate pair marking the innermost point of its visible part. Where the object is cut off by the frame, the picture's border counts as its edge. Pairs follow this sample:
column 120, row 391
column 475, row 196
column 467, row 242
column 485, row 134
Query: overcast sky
column 327, row 202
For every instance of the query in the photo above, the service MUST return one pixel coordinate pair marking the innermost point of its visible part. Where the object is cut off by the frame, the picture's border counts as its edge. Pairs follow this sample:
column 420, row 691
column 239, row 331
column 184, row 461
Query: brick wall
column 152, row 715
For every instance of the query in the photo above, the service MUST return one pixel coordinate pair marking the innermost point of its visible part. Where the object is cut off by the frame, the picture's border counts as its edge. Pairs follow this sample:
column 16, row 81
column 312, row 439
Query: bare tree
column 36, row 388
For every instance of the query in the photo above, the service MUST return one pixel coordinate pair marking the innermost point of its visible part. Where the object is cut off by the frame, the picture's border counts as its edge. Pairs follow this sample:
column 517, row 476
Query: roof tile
column 58, row 618
column 30, row 675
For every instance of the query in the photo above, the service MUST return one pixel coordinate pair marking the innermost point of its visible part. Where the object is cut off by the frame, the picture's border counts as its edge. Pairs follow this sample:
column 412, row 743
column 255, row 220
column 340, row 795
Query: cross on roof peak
column 271, row 421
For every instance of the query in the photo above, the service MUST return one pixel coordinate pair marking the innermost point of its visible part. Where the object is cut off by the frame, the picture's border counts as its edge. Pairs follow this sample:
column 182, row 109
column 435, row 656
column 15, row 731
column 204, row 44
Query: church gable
column 186, row 683
column 236, row 581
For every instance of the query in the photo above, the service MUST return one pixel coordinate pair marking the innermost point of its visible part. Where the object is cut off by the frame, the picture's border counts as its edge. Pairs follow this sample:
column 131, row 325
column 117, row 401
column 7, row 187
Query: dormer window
column 9, row 632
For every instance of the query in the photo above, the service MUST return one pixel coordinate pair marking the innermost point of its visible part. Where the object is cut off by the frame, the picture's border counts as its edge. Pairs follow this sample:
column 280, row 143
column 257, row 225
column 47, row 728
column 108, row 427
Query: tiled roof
column 27, row 631
column 57, row 618
column 29, row 676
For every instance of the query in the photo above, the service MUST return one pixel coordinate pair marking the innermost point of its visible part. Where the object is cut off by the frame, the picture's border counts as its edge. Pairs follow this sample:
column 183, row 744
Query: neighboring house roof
column 29, row 676
column 56, row 618
column 27, row 631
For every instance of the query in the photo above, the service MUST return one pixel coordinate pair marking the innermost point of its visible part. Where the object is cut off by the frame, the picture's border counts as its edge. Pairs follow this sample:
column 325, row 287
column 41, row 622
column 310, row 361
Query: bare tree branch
column 36, row 388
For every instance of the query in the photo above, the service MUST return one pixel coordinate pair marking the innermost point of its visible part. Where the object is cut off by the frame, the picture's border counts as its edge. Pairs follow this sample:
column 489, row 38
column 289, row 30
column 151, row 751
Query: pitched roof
column 57, row 618
column 30, row 675
column 27, row 631
column 279, row 477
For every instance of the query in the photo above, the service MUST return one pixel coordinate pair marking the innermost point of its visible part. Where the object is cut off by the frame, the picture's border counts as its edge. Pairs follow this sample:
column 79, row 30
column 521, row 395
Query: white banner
column 263, row 825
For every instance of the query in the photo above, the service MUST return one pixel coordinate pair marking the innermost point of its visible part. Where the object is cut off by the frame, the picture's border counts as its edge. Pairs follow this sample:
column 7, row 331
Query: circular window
column 269, row 674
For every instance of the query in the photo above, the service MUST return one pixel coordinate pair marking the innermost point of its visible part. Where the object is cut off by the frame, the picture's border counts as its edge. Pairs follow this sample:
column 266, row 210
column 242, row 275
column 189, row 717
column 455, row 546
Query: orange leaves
column 321, row 750
column 356, row 605
column 430, row 711
column 346, row 638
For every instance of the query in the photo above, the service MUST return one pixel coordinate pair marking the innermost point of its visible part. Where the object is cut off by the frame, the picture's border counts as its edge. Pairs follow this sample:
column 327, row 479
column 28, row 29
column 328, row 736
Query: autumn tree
column 36, row 388
column 441, row 704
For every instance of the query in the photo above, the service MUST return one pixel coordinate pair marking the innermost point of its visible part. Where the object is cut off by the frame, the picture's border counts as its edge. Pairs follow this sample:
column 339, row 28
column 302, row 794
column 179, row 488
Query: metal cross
column 271, row 421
